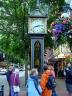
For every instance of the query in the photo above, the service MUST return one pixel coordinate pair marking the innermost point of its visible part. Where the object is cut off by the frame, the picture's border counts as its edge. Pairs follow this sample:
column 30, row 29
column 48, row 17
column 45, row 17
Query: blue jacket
column 32, row 89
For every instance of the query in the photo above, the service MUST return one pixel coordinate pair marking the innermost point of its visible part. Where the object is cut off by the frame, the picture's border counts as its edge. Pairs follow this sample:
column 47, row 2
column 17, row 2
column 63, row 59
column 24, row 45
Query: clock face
column 37, row 26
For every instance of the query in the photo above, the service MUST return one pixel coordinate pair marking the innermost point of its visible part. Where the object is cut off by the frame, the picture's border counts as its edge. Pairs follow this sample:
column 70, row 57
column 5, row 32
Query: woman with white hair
column 15, row 82
column 34, row 88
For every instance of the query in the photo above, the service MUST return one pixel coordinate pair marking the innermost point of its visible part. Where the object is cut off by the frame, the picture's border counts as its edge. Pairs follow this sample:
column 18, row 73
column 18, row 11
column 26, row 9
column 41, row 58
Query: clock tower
column 37, row 28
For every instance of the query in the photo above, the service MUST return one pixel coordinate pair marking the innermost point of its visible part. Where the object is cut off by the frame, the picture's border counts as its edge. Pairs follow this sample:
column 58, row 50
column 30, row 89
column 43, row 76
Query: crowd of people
column 43, row 86
column 47, row 84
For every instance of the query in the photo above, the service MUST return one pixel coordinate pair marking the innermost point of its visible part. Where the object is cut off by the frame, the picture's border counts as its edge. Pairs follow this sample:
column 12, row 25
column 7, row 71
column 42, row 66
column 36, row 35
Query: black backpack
column 51, row 84
column 69, row 71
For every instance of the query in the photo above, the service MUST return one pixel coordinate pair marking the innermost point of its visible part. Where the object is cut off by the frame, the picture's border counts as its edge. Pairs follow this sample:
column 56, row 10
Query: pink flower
column 71, row 27
column 65, row 21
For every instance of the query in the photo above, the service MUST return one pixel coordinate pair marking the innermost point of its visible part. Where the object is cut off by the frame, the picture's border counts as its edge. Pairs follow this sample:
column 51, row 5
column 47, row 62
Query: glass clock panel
column 37, row 25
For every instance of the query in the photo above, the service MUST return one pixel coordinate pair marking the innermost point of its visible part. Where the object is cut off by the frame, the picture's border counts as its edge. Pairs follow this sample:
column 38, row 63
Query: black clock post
column 37, row 28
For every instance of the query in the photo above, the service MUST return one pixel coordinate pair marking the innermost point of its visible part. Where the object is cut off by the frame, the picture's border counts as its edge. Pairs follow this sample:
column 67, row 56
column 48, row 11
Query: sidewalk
column 22, row 93
column 61, row 89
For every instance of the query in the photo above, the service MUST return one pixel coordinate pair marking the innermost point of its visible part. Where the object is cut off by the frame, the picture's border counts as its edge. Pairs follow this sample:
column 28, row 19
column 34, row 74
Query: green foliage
column 62, row 39
column 69, row 40
column 68, row 59
column 48, row 40
column 13, row 25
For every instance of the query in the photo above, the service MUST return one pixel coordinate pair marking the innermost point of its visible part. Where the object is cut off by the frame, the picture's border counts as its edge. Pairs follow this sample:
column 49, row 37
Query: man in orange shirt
column 44, row 80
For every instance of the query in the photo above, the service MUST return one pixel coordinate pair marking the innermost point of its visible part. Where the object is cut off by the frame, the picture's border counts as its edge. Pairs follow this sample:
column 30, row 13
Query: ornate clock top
column 37, row 12
column 37, row 22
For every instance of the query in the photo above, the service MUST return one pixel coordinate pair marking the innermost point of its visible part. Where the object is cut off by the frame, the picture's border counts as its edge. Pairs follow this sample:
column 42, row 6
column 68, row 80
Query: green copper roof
column 38, row 12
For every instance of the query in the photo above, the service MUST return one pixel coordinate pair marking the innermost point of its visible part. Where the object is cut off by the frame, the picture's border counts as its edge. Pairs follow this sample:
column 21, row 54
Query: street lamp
column 71, row 5
column 67, row 8
column 68, row 1
column 65, row 15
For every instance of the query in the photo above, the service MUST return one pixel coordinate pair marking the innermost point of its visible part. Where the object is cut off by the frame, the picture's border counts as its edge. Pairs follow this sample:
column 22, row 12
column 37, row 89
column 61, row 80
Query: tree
column 14, row 20
column 13, row 27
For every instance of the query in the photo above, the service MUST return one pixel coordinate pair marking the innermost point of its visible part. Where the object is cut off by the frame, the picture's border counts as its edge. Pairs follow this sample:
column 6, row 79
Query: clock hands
column 37, row 26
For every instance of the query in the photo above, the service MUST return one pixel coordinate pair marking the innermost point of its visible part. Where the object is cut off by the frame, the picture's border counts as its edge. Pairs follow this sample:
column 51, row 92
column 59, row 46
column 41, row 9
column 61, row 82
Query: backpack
column 51, row 83
column 68, row 71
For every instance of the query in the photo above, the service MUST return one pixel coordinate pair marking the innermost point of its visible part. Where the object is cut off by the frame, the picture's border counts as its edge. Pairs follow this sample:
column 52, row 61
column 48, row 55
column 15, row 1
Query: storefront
column 61, row 62
column 63, row 56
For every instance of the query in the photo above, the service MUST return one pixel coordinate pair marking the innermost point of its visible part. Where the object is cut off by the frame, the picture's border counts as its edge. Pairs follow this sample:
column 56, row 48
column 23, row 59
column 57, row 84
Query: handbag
column 16, row 88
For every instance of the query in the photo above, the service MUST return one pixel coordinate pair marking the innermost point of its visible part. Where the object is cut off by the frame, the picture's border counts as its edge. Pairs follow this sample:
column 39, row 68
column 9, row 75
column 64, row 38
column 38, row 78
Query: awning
column 60, row 56
column 63, row 55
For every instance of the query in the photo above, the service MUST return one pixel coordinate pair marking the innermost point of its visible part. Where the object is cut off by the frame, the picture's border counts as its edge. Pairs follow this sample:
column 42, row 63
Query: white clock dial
column 37, row 26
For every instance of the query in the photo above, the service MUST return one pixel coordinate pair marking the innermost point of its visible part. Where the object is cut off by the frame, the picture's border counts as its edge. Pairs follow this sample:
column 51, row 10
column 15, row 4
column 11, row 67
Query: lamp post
column 69, row 4
column 68, row 1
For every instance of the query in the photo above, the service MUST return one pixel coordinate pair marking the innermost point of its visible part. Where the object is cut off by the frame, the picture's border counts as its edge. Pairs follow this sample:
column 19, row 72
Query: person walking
column 8, row 74
column 33, row 85
column 51, row 68
column 15, row 83
column 68, row 78
column 44, row 79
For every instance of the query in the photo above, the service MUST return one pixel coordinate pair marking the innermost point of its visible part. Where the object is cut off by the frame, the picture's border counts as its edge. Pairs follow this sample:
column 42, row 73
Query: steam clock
column 37, row 28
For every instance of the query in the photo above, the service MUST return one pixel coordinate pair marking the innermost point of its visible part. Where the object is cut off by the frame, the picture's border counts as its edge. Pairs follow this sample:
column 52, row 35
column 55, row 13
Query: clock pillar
column 37, row 31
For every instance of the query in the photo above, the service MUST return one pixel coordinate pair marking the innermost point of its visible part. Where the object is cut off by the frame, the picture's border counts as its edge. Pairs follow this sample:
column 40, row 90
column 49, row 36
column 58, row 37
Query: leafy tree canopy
column 14, row 20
